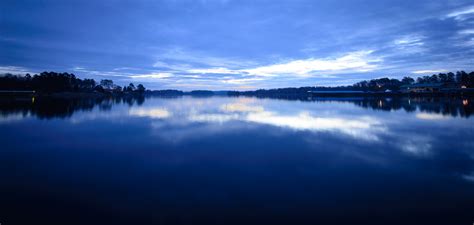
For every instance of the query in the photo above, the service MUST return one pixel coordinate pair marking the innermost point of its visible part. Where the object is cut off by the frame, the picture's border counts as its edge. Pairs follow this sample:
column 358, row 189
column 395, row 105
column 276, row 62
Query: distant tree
column 471, row 79
column 450, row 78
column 408, row 80
column 458, row 77
column 443, row 78
column 140, row 88
column 117, row 89
column 464, row 79
column 424, row 80
column 131, row 87
column 88, row 84
column 107, row 84
column 434, row 79
column 99, row 88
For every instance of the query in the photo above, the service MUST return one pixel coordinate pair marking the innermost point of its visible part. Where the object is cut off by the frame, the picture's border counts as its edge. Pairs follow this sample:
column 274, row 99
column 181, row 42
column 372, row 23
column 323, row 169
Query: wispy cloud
column 152, row 76
column 429, row 71
column 410, row 44
column 219, row 70
column 466, row 32
column 462, row 14
column 409, row 40
column 240, row 81
column 99, row 73
column 14, row 70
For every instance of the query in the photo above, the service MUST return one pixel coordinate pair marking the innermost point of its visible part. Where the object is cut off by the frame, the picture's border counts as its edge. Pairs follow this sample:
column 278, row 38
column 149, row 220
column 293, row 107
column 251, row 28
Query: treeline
column 454, row 80
column 53, row 82
column 460, row 79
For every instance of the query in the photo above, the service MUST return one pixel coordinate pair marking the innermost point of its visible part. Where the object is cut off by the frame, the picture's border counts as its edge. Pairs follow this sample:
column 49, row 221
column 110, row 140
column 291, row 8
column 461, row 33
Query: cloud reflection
column 431, row 116
column 363, row 127
column 240, row 107
column 155, row 113
column 212, row 118
column 13, row 117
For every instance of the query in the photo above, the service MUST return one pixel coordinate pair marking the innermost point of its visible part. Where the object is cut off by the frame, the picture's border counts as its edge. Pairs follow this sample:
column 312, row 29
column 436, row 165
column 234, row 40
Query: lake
column 224, row 160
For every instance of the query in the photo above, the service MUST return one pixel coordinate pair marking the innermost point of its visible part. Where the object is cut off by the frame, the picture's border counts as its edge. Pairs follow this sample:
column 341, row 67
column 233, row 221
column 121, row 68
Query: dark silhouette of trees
column 460, row 79
column 140, row 88
column 53, row 82
column 131, row 87
column 408, row 80
column 87, row 84
column 107, row 84
column 450, row 80
column 381, row 84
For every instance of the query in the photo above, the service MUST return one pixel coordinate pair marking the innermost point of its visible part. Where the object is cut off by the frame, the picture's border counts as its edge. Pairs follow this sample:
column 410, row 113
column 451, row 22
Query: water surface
column 222, row 160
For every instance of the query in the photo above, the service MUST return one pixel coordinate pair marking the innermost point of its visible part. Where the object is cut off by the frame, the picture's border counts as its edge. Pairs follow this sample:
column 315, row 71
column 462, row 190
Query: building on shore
column 422, row 88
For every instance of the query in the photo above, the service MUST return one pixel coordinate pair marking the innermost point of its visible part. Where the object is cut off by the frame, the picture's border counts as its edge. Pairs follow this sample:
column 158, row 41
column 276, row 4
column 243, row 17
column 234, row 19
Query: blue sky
column 237, row 45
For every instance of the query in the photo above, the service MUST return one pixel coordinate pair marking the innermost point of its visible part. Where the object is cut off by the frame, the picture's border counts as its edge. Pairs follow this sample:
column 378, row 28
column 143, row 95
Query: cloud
column 14, row 70
column 469, row 43
column 410, row 40
column 219, row 70
column 200, row 71
column 466, row 32
column 99, row 73
column 410, row 44
column 359, row 61
column 241, row 80
column 153, row 76
column 429, row 71
column 462, row 14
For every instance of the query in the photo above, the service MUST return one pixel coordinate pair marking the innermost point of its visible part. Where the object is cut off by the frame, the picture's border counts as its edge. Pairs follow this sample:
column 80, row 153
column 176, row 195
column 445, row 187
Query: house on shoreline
column 434, row 88
column 423, row 88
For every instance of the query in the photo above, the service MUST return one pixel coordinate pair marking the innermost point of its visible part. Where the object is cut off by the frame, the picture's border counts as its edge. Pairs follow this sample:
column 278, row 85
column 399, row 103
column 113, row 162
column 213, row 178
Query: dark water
column 226, row 160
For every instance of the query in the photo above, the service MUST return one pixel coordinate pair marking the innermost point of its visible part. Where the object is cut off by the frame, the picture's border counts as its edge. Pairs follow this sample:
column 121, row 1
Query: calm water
column 226, row 160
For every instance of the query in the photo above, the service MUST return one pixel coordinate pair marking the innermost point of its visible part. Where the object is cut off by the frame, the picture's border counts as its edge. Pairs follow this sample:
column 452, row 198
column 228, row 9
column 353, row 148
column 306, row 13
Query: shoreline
column 333, row 94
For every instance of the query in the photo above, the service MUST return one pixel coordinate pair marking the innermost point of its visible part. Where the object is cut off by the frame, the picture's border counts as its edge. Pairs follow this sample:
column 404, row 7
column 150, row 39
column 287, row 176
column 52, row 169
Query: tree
column 471, row 79
column 131, row 87
column 434, row 79
column 117, row 89
column 464, row 79
column 450, row 77
column 107, row 84
column 140, row 88
column 443, row 78
column 420, row 80
column 408, row 80
column 88, row 84
column 99, row 88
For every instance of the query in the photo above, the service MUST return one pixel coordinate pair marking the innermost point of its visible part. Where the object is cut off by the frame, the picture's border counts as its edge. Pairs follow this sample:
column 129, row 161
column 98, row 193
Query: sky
column 237, row 44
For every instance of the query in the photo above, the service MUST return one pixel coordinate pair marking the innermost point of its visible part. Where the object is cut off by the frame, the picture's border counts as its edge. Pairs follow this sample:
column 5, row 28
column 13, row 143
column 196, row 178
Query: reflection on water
column 222, row 160
column 47, row 108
